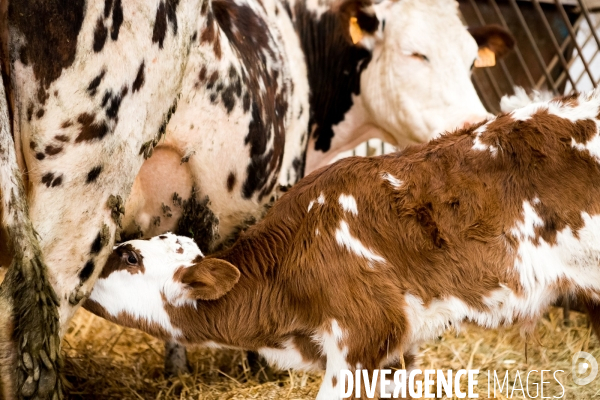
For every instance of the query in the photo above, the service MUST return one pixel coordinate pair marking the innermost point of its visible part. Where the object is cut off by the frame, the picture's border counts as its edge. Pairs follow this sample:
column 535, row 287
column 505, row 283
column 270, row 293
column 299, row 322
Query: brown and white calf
column 367, row 258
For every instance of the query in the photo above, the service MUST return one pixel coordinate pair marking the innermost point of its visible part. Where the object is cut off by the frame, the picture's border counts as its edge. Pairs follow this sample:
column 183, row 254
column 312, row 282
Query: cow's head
column 418, row 82
column 145, row 280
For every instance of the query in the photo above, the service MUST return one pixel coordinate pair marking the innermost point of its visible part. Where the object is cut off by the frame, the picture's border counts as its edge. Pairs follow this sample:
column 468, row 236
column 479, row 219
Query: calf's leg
column 175, row 359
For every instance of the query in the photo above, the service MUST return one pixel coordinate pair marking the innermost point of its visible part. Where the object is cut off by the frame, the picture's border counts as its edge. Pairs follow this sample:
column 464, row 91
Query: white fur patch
column 140, row 295
column 479, row 145
column 531, row 221
column 573, row 258
column 336, row 361
column 348, row 203
column 521, row 99
column 524, row 113
column 321, row 199
column 135, row 297
column 345, row 239
column 395, row 182
column 592, row 146
column 505, row 306
column 336, row 331
column 586, row 109
column 288, row 357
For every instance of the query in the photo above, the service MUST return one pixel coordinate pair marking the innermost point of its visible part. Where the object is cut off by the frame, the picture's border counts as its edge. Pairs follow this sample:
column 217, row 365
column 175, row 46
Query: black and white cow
column 405, row 81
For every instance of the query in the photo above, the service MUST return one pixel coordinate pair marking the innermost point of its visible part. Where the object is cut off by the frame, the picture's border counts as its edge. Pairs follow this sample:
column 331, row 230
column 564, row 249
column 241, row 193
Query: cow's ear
column 494, row 43
column 210, row 279
column 358, row 19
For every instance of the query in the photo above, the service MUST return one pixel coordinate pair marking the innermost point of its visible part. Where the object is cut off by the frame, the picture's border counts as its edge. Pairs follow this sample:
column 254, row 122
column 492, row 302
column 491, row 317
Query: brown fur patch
column 62, row 138
column 53, row 150
column 50, row 46
column 117, row 261
column 139, row 79
column 90, row 130
column 231, row 181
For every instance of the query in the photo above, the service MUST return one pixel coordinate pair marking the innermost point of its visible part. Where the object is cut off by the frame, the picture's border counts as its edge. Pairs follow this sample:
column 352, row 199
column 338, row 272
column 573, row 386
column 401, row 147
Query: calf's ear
column 210, row 279
column 494, row 42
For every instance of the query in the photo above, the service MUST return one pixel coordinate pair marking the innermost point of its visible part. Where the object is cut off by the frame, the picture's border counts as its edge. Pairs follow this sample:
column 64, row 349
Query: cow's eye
column 420, row 56
column 131, row 258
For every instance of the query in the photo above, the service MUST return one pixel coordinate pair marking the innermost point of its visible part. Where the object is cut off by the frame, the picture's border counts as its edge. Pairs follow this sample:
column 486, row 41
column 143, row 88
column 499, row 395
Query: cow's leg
column 28, row 314
column 8, row 351
column 88, row 150
column 90, row 106
column 6, row 255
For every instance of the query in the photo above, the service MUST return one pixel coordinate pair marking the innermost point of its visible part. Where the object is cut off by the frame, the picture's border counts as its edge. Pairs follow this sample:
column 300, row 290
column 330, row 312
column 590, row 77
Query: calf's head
column 145, row 280
column 418, row 81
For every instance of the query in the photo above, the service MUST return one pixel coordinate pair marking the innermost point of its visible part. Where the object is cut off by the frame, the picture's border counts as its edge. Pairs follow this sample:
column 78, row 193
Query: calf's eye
column 132, row 258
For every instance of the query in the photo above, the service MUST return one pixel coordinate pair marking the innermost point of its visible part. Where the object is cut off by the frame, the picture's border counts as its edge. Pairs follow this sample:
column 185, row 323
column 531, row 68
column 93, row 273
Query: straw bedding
column 105, row 361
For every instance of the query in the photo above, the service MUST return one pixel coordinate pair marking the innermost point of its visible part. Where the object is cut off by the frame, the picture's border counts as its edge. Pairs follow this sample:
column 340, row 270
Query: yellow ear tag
column 486, row 58
column 355, row 32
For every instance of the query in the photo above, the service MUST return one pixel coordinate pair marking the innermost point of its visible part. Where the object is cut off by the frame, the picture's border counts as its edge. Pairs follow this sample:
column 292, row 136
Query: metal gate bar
column 574, row 36
column 591, row 59
column 517, row 50
column 586, row 14
column 552, row 48
column 559, row 51
column 570, row 63
column 534, row 46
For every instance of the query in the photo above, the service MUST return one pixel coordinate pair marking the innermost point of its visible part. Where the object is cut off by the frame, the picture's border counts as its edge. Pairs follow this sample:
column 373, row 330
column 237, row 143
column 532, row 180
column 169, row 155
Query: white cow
column 409, row 81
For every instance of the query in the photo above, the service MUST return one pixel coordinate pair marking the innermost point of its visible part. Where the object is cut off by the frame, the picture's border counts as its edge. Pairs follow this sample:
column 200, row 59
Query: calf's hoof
column 259, row 367
column 175, row 359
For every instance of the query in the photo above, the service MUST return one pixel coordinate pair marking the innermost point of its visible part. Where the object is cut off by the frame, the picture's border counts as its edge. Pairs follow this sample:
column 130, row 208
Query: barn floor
column 105, row 361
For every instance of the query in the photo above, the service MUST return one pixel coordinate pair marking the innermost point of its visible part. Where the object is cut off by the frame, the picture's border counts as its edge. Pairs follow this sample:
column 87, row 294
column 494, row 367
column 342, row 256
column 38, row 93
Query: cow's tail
column 29, row 325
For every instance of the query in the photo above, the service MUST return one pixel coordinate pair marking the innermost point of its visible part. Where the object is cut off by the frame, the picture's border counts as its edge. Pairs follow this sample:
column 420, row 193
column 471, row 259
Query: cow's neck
column 355, row 129
column 257, row 313
column 338, row 120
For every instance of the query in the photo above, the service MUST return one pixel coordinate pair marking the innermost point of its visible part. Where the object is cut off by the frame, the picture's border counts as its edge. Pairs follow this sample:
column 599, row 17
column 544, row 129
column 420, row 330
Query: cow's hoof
column 259, row 367
column 175, row 359
column 30, row 304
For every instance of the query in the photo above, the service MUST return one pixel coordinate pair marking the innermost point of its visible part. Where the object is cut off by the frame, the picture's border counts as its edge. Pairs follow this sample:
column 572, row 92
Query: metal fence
column 557, row 46
column 557, row 49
